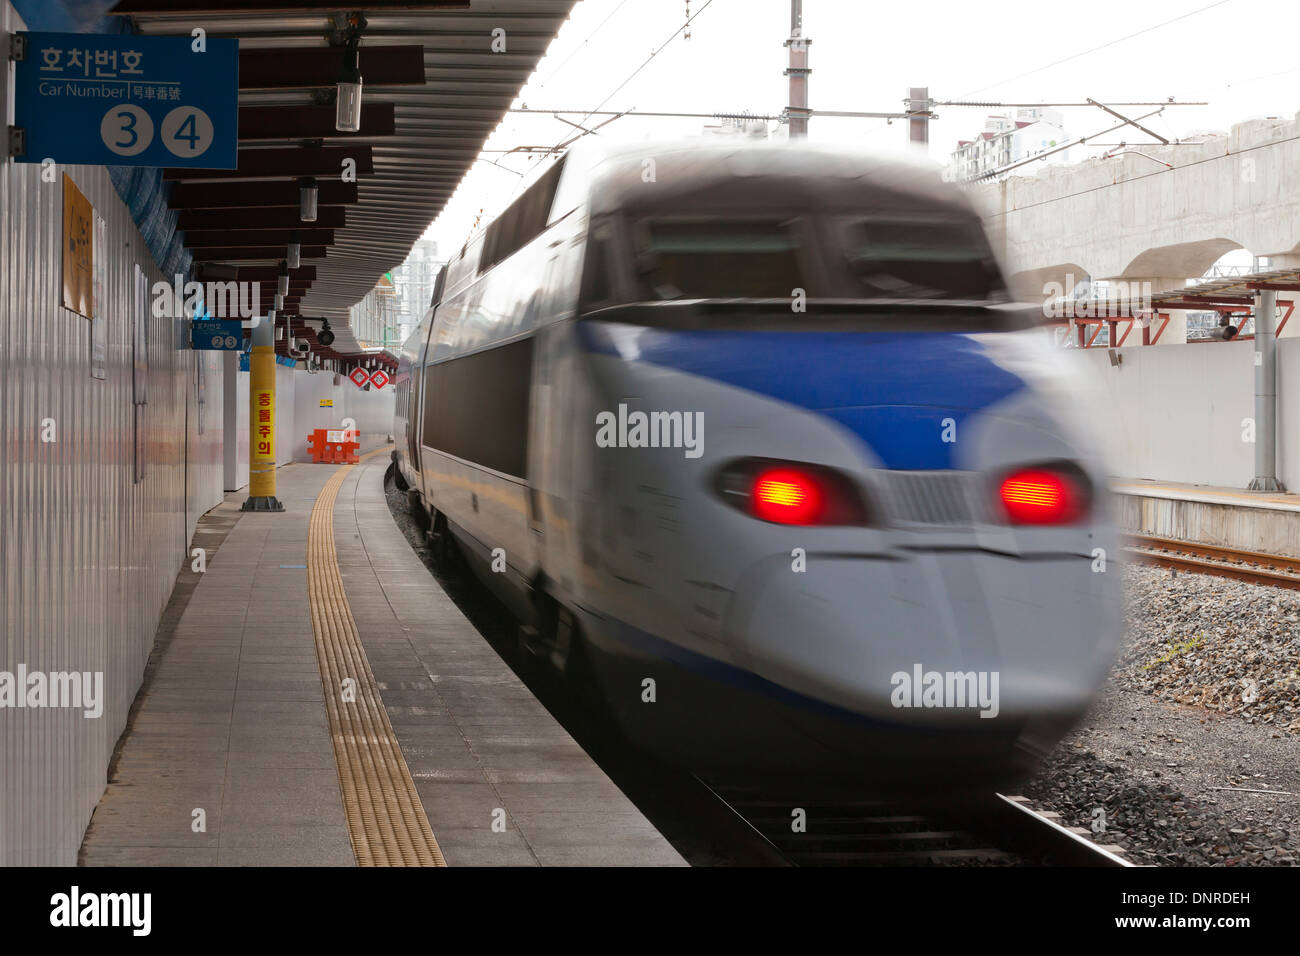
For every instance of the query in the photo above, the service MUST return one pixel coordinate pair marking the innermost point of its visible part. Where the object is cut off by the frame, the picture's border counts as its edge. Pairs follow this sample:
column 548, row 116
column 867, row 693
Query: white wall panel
column 235, row 455
column 205, row 414
column 88, row 555
column 372, row 411
column 1175, row 414
column 284, row 414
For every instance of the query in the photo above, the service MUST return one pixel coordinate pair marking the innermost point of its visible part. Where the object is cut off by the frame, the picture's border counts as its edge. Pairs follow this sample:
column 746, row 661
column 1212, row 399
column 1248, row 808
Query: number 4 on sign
column 187, row 131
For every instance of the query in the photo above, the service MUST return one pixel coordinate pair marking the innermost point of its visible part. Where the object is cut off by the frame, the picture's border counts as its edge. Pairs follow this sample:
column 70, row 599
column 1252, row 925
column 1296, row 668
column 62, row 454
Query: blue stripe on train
column 891, row 389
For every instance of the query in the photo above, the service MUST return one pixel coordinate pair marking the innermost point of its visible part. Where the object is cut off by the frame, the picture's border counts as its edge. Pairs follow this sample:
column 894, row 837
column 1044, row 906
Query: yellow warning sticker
column 78, row 250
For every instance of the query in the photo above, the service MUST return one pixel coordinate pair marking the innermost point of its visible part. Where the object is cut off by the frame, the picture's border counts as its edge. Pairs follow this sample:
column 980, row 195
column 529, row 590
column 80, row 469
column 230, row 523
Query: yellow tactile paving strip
column 385, row 818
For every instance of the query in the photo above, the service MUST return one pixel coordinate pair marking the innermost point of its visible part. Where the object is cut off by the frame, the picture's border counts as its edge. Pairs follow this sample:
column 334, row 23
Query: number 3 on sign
column 187, row 132
column 126, row 129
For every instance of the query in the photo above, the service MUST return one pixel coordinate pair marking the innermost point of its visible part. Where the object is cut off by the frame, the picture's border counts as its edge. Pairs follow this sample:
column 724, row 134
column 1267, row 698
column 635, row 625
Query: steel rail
column 1255, row 567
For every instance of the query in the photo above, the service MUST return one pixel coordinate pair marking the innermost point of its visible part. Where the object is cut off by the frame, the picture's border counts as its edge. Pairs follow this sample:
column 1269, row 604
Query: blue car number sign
column 223, row 335
column 128, row 100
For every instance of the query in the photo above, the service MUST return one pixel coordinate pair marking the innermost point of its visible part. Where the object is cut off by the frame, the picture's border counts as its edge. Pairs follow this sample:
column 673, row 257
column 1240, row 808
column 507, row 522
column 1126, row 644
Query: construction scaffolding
column 1107, row 322
column 374, row 318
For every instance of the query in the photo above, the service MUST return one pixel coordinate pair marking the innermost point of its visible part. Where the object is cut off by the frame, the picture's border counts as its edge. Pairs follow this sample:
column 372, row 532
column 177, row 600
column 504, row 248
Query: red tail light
column 787, row 496
column 1039, row 496
column 791, row 492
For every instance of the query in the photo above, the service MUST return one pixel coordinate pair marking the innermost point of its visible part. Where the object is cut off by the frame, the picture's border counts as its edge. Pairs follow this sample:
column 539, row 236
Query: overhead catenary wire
column 581, row 47
column 1253, row 79
column 481, row 159
column 891, row 115
column 1109, row 43
column 1132, row 179
column 654, row 53
column 542, row 85
column 838, row 114
column 993, row 173
column 586, row 114
column 541, row 151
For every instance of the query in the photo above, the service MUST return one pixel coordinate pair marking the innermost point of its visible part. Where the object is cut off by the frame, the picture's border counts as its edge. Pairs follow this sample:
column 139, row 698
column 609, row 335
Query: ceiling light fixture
column 307, row 197
column 347, row 110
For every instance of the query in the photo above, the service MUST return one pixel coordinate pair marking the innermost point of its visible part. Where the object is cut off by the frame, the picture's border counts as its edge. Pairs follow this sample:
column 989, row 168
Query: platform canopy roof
column 1230, row 292
column 434, row 88
column 1226, row 294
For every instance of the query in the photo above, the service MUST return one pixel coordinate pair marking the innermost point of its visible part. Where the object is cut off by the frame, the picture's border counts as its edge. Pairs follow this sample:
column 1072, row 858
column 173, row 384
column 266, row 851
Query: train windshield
column 845, row 257
column 919, row 259
column 718, row 259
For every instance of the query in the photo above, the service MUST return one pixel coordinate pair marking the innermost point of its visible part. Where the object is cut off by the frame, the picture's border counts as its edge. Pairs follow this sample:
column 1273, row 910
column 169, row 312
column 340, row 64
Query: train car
column 756, row 433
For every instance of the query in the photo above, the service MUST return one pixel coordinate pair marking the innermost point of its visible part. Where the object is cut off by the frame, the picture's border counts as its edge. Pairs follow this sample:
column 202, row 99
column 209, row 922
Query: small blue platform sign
column 128, row 100
column 223, row 335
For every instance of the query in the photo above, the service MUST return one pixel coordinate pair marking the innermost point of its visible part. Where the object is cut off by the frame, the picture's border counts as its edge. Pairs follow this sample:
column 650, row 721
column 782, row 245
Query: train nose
column 931, row 639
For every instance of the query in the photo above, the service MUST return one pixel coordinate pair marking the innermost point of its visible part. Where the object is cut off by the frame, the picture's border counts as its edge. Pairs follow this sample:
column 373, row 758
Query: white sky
column 864, row 54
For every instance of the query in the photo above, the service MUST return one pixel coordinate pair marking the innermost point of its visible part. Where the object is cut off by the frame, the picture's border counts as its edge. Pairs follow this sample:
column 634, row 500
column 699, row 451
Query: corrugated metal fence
column 88, row 554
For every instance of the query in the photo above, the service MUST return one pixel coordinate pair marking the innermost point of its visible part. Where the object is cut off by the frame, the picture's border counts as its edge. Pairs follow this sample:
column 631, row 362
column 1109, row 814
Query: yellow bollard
column 261, row 420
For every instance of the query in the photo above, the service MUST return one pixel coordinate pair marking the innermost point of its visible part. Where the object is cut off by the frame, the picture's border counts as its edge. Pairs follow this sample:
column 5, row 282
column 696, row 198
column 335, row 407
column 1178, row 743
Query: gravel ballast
column 1191, row 756
column 1215, row 643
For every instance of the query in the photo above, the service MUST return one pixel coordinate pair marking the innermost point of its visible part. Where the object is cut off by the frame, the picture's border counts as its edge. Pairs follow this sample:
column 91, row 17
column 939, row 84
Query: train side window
column 476, row 406
column 412, row 410
column 439, row 284
column 524, row 219
column 597, row 281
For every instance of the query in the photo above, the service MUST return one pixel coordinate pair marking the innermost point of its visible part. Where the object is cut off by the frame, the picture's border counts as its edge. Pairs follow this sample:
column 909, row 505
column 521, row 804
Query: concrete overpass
column 1137, row 219
column 1163, row 215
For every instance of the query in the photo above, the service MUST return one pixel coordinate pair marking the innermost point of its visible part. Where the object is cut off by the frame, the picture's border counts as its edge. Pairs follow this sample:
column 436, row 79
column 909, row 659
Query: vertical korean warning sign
column 78, row 251
column 264, row 440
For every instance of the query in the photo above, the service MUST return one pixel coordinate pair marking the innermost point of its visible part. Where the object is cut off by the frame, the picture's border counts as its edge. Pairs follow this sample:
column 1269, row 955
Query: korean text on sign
column 152, row 101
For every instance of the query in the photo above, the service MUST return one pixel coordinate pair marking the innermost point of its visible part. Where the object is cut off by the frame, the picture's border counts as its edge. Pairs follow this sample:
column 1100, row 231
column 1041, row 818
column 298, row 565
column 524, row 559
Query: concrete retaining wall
column 1270, row 530
column 1176, row 414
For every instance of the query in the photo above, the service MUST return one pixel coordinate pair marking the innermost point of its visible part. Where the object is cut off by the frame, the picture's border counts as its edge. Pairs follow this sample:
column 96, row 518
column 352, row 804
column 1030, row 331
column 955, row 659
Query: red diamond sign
column 379, row 378
column 359, row 376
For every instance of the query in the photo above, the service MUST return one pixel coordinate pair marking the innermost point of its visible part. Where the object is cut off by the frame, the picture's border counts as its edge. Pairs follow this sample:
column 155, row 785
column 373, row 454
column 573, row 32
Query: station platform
column 1261, row 521
column 315, row 698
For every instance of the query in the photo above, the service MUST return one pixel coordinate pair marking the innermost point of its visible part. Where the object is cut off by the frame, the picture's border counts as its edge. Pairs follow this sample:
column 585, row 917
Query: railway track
column 716, row 825
column 1256, row 567
column 848, row 831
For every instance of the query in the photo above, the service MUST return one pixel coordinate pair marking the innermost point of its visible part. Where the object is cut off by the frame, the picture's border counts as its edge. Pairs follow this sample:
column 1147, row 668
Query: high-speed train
column 754, row 433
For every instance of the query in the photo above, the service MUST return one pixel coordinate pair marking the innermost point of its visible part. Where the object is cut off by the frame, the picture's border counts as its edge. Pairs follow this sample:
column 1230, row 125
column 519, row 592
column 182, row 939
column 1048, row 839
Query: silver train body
column 755, row 430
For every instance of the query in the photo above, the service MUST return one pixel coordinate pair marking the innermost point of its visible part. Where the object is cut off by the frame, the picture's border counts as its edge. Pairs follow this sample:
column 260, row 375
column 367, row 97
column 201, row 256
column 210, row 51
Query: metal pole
column 261, row 420
column 918, row 127
column 797, row 112
column 1266, row 393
